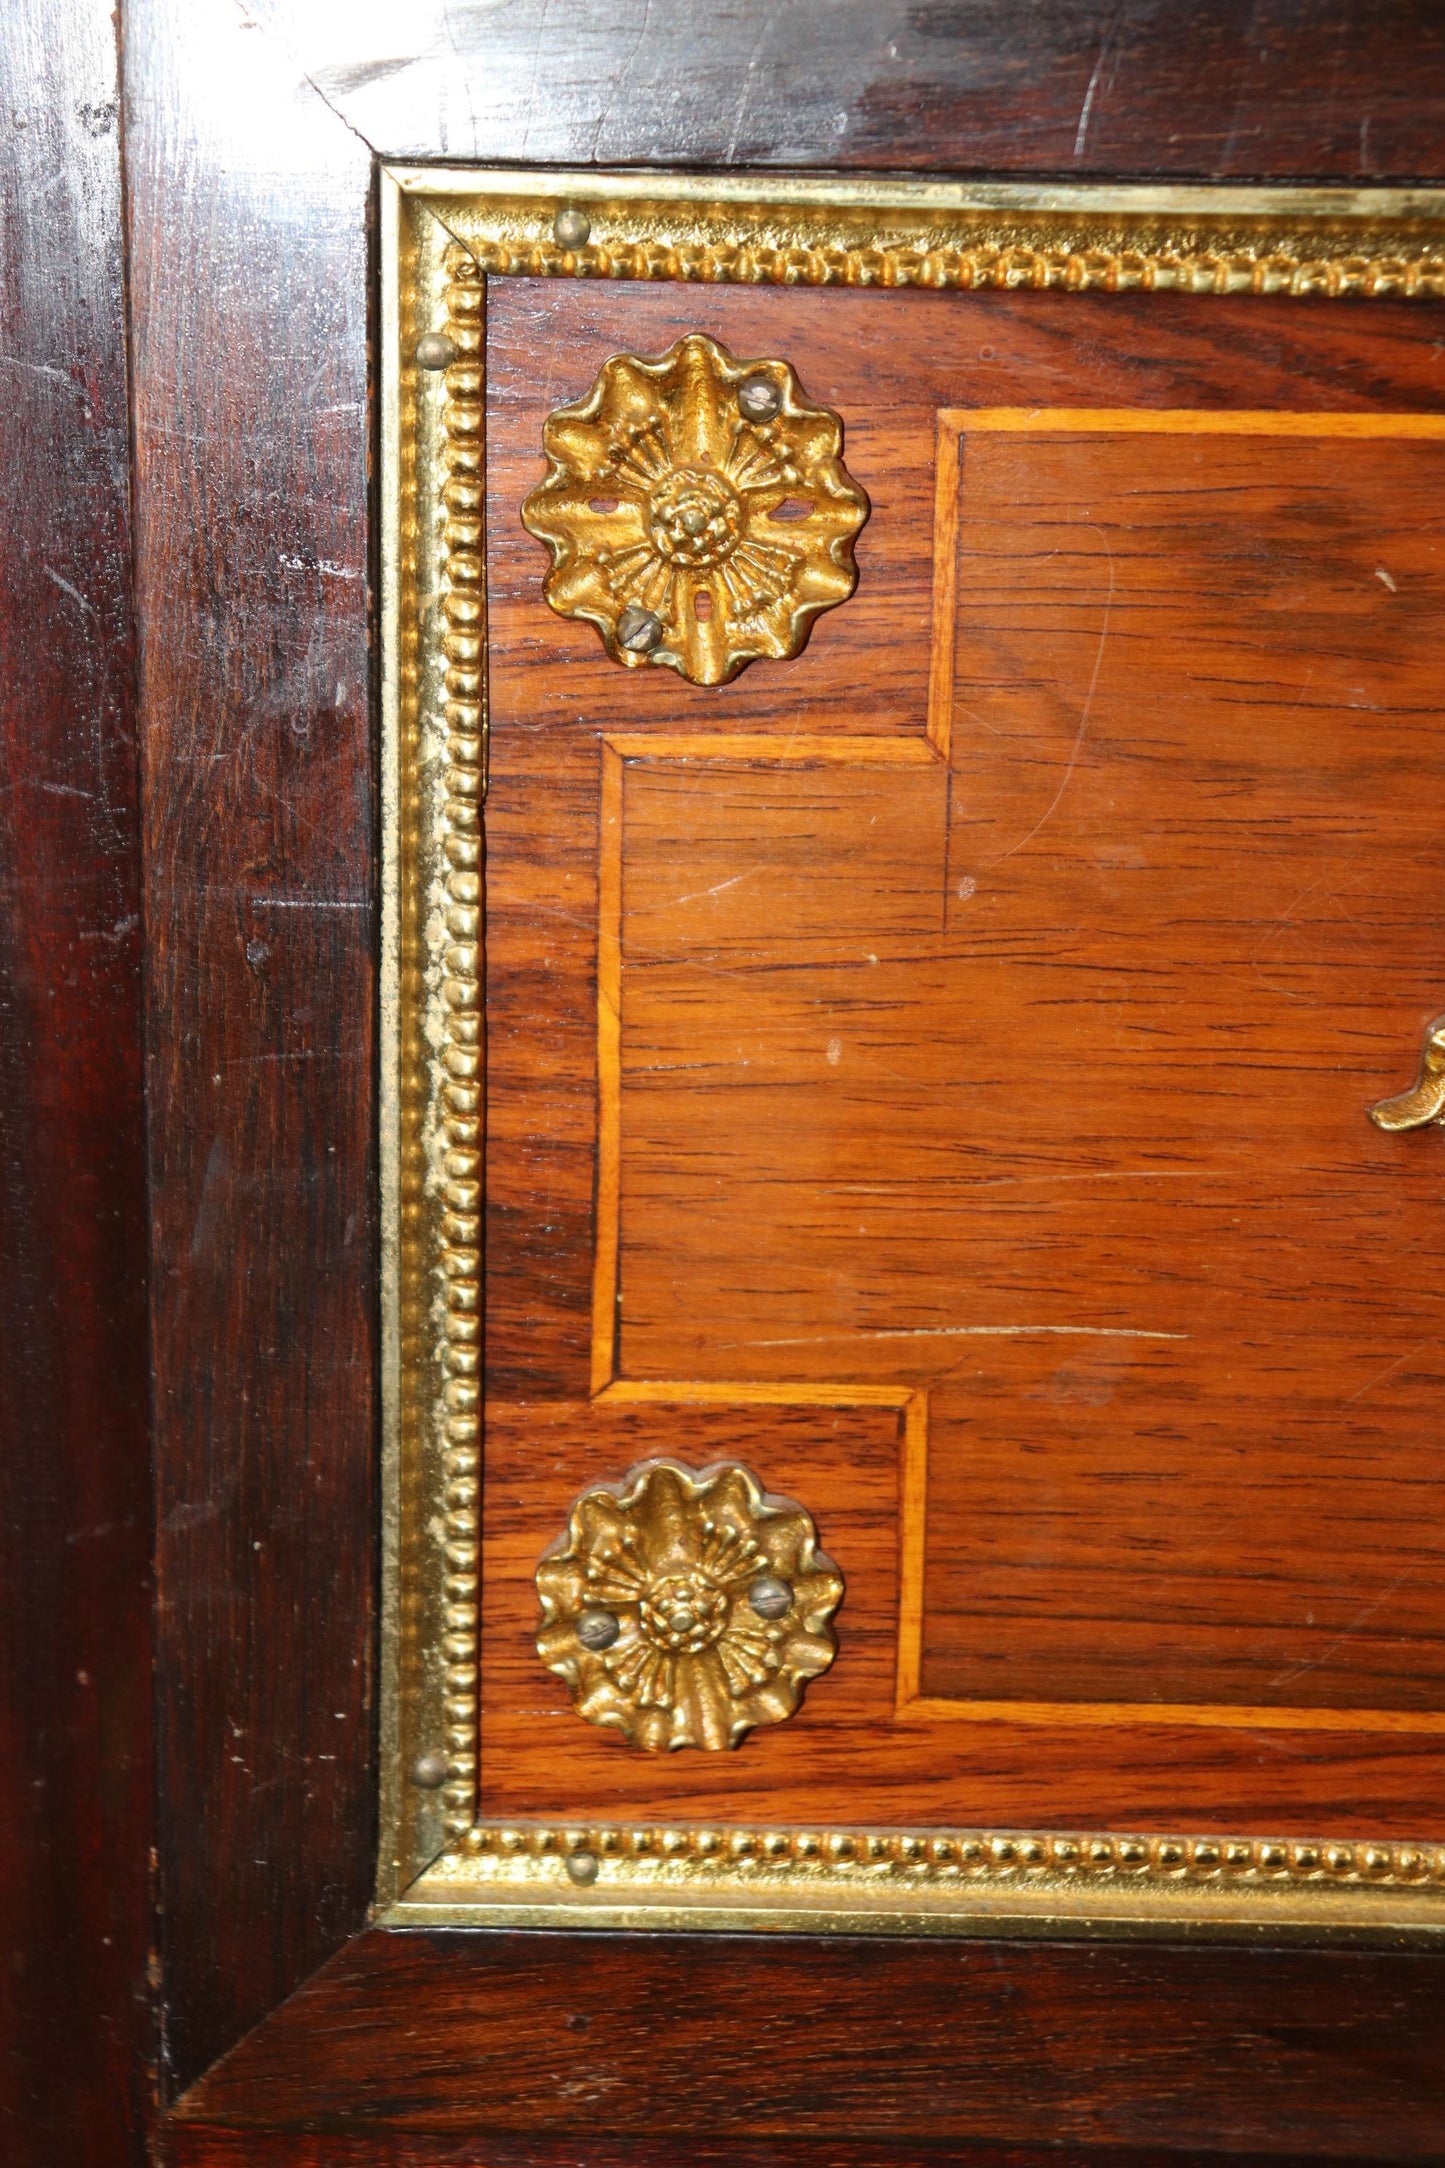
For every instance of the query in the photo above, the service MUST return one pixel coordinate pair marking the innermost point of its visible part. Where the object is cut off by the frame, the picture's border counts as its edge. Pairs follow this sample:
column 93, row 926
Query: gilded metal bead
column 571, row 227
column 435, row 351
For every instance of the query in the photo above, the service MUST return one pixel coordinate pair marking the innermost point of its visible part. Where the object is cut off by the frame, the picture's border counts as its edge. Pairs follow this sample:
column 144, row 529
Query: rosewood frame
column 217, row 1893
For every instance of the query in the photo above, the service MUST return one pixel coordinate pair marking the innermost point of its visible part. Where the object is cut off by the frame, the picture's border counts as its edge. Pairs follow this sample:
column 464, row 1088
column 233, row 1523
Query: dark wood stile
column 249, row 309
column 198, row 2146
column 75, row 1734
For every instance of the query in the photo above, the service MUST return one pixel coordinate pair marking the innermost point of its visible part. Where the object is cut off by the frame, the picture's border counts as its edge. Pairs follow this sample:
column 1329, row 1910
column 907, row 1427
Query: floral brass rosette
column 687, row 532
column 678, row 1563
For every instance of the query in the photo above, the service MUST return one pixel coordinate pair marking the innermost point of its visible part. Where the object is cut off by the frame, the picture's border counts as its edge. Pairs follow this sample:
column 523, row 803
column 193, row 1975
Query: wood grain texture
column 1076, row 1135
column 888, row 362
column 823, row 966
column 769, row 2038
column 75, row 1735
column 250, row 270
column 1351, row 90
column 197, row 2145
column 250, row 308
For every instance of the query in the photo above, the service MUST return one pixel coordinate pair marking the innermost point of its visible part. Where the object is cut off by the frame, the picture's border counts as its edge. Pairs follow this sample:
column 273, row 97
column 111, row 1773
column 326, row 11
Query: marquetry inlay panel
column 936, row 1076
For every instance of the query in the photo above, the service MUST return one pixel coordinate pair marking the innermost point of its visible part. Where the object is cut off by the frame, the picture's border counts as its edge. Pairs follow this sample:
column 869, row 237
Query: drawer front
column 914, row 1369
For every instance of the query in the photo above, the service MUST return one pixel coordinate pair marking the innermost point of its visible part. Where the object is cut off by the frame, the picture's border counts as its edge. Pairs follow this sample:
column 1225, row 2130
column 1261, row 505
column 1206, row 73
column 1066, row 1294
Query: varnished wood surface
column 1350, row 90
column 908, row 1046
column 250, row 207
column 75, row 1686
column 538, row 1758
column 197, row 2145
column 249, row 284
column 888, row 362
column 1054, row 1100
column 767, row 2038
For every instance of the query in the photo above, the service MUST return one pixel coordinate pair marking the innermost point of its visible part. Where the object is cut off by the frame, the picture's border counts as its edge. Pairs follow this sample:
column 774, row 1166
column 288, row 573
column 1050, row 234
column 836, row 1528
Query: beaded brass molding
column 931, row 1881
column 943, row 1856
column 794, row 231
column 443, row 233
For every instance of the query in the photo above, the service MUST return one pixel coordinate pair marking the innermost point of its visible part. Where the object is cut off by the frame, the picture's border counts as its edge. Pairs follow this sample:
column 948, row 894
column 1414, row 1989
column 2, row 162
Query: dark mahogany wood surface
column 249, row 205
column 249, row 298
column 75, row 1744
column 753, row 2038
column 1349, row 90
column 202, row 2145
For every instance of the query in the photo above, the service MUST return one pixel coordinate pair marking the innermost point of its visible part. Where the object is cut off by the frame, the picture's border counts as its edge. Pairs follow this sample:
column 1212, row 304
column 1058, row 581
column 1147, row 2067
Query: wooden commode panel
column 1103, row 1094
column 857, row 1080
column 936, row 1070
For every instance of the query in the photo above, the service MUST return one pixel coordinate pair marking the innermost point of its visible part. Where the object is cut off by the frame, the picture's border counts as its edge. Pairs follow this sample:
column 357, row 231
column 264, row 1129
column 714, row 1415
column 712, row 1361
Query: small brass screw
column 760, row 397
column 638, row 630
column 583, row 1868
column 596, row 1628
column 435, row 351
column 430, row 1771
column 770, row 1597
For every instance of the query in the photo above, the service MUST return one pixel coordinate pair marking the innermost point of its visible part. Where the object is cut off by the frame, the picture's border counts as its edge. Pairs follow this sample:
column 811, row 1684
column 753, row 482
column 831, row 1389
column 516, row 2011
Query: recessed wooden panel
column 1103, row 1097
column 1000, row 990
column 1195, row 744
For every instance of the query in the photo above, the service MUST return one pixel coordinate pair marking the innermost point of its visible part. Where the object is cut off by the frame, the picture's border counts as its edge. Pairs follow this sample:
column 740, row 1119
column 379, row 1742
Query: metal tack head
column 430, row 1771
column 596, row 1628
column 435, row 351
column 770, row 1596
column 583, row 1867
column 571, row 227
column 760, row 397
column 638, row 630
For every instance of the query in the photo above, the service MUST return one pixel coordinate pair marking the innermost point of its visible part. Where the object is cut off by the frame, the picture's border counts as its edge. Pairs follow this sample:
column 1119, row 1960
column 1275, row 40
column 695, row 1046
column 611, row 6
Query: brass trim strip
column 454, row 1032
column 931, row 1882
column 766, row 229
column 442, row 232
